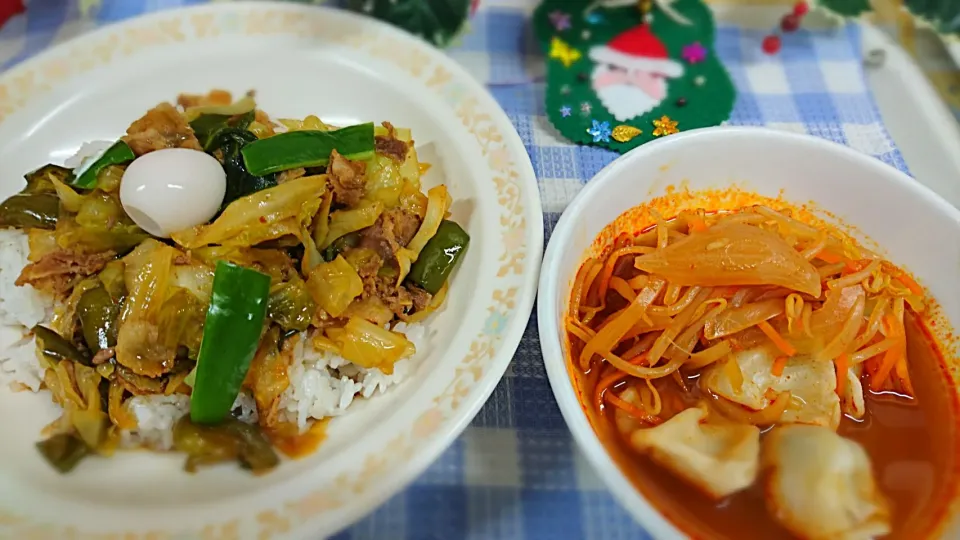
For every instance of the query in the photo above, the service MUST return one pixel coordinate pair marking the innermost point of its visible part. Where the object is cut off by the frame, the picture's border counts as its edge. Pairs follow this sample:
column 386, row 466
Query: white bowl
column 914, row 227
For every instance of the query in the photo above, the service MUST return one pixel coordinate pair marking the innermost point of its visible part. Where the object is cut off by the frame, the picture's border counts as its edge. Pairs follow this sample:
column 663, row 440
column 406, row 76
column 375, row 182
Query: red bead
column 790, row 23
column 801, row 8
column 771, row 44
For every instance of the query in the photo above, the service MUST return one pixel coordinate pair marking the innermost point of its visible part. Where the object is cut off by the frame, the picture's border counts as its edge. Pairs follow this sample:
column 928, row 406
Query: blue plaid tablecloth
column 515, row 472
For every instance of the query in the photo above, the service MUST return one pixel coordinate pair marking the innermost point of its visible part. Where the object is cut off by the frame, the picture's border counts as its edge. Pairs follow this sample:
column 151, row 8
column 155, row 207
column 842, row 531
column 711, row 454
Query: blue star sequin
column 594, row 17
column 600, row 131
column 565, row 111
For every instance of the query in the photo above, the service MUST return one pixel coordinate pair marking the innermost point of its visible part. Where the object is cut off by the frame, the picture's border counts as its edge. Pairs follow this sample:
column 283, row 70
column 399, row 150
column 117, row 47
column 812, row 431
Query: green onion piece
column 307, row 149
column 85, row 176
column 439, row 256
column 231, row 335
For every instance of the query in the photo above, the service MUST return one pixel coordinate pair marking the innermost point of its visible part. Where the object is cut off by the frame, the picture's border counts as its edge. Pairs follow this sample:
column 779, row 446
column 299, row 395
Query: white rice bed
column 322, row 384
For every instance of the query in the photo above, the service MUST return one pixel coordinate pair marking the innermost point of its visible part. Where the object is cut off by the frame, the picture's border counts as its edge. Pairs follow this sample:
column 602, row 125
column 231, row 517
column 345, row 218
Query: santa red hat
column 637, row 49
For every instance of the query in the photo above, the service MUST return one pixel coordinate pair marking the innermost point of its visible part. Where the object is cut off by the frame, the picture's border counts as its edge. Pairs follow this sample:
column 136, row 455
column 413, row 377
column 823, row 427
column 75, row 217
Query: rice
column 322, row 384
column 21, row 308
column 88, row 150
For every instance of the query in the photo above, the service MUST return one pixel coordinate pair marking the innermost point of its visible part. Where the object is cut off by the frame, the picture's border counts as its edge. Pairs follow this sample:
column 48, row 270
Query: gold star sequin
column 564, row 53
column 664, row 126
column 625, row 133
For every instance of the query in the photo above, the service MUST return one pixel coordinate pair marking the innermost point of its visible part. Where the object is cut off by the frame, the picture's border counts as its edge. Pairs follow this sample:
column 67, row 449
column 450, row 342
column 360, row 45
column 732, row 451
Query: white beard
column 625, row 101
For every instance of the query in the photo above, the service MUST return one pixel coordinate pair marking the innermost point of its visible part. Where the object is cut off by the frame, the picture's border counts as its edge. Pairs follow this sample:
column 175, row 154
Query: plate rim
column 528, row 270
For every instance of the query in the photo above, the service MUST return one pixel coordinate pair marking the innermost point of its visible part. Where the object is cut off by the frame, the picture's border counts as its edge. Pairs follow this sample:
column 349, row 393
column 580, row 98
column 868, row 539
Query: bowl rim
column 644, row 512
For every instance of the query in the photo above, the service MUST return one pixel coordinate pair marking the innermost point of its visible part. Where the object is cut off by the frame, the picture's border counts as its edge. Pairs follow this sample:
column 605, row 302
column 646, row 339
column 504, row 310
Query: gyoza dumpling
column 820, row 486
column 812, row 384
column 718, row 459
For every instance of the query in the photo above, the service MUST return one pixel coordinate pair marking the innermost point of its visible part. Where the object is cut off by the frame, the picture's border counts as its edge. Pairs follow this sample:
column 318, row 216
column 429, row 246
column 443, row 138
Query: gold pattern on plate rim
column 102, row 49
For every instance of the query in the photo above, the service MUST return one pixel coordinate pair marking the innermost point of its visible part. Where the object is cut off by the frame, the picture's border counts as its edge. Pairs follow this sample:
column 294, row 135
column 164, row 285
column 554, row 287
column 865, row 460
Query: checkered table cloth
column 515, row 472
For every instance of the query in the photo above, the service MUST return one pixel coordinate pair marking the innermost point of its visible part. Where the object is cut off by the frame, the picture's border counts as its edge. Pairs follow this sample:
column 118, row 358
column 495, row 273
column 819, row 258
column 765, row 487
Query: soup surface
column 906, row 420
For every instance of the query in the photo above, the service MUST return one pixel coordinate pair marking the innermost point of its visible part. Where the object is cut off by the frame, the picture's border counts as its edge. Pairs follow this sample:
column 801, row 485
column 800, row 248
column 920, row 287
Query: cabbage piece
column 273, row 262
column 180, row 321
column 835, row 325
column 719, row 459
column 343, row 222
column 812, row 385
column 290, row 304
column 147, row 276
column 370, row 346
column 384, row 183
column 370, row 309
column 268, row 377
column 333, row 285
column 735, row 254
column 261, row 216
column 195, row 278
column 242, row 106
column 821, row 486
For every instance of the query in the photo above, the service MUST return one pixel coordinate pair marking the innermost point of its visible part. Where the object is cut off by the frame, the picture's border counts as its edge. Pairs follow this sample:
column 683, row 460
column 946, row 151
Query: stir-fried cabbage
column 370, row 346
column 290, row 305
column 438, row 204
column 334, row 285
column 264, row 215
column 140, row 346
column 343, row 222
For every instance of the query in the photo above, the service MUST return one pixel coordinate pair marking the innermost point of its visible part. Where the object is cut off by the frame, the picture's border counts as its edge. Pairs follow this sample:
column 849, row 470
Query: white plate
column 834, row 181
column 300, row 60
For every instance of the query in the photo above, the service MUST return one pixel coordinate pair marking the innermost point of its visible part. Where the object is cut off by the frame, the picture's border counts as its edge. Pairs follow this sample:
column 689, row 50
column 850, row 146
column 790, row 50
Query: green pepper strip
column 307, row 149
column 231, row 335
column 439, row 256
column 56, row 348
column 85, row 176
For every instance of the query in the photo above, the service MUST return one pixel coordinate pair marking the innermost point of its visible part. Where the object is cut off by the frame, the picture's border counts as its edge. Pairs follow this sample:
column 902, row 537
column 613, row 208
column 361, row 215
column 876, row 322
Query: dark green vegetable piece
column 207, row 126
column 231, row 334
column 39, row 181
column 230, row 141
column 439, row 256
column 231, row 440
column 307, row 148
column 30, row 210
column 340, row 245
column 290, row 305
column 63, row 451
column 37, row 205
column 98, row 319
column 85, row 176
column 53, row 346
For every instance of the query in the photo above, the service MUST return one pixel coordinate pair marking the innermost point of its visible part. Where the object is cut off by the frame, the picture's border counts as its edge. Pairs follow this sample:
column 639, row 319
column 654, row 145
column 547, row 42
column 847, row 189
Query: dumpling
column 717, row 459
column 812, row 385
column 820, row 486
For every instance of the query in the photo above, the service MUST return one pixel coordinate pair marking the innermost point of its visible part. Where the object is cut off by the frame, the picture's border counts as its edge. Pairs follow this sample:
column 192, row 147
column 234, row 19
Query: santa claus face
column 628, row 93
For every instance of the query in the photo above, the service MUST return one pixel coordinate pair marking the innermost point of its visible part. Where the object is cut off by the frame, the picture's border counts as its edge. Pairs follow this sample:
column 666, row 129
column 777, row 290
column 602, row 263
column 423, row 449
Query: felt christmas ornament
column 437, row 21
column 9, row 8
column 621, row 72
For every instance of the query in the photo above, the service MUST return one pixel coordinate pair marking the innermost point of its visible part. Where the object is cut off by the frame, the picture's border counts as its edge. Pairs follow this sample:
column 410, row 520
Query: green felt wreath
column 702, row 96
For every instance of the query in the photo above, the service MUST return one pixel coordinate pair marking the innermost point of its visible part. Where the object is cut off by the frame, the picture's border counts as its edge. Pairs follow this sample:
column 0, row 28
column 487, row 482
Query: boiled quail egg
column 170, row 190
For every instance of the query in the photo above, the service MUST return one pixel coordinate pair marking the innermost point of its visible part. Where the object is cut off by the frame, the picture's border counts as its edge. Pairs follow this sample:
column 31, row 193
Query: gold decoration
column 625, row 133
column 664, row 126
column 563, row 52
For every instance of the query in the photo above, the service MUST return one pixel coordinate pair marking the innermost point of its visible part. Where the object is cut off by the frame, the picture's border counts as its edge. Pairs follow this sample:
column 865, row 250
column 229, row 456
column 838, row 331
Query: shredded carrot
column 727, row 292
column 777, row 339
column 890, row 357
column 828, row 257
column 778, row 365
column 909, row 283
column 843, row 364
column 632, row 410
column 904, row 374
column 695, row 224
column 852, row 267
